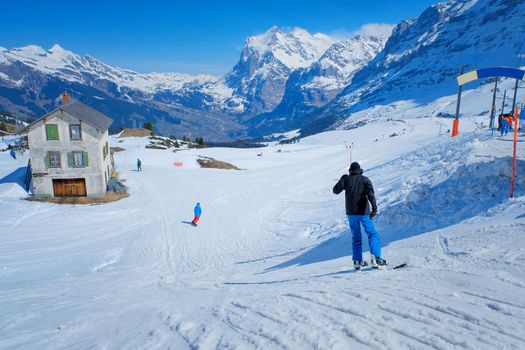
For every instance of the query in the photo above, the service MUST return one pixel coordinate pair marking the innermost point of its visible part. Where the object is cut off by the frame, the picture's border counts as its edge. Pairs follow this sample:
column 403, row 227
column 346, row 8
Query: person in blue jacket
column 12, row 153
column 197, row 211
column 139, row 165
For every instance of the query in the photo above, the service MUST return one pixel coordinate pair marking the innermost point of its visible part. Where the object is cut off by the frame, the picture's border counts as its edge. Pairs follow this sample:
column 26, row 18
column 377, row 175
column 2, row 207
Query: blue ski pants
column 505, row 126
column 374, row 242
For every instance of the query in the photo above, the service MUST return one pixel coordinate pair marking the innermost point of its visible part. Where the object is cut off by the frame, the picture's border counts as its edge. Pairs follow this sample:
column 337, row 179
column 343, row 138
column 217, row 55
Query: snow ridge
column 72, row 67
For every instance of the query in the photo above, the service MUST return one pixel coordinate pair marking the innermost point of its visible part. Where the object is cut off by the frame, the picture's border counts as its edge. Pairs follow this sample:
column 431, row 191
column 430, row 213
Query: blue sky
column 189, row 37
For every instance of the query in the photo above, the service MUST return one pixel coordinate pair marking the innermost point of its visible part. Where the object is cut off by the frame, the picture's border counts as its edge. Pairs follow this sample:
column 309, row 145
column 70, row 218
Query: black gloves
column 373, row 213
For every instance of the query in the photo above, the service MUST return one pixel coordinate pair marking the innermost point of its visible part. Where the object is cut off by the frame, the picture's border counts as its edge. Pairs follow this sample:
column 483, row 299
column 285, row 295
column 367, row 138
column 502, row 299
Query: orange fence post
column 455, row 127
column 516, row 125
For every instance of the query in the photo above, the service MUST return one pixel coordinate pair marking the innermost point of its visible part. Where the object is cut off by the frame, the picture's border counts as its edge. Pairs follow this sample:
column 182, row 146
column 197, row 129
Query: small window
column 74, row 132
column 105, row 151
column 52, row 131
column 53, row 159
column 78, row 159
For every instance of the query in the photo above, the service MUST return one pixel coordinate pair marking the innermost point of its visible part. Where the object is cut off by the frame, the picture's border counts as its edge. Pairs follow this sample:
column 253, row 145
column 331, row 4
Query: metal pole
column 515, row 93
column 503, row 103
column 455, row 125
column 516, row 123
column 493, row 109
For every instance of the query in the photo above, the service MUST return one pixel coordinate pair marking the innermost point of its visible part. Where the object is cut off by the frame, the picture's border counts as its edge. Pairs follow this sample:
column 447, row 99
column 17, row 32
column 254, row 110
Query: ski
column 387, row 267
column 368, row 268
column 399, row 266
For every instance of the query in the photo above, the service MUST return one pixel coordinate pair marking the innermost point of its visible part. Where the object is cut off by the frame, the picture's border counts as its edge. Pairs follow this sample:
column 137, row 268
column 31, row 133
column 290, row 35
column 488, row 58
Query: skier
column 139, row 165
column 506, row 124
column 12, row 153
column 197, row 211
column 358, row 192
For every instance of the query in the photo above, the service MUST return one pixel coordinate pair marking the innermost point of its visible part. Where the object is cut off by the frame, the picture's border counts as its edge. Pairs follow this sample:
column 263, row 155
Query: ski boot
column 358, row 264
column 376, row 261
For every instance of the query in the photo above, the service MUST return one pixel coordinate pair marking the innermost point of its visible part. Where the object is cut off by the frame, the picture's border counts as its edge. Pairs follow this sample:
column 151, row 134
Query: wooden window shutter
column 46, row 161
column 70, row 160
column 85, row 159
column 52, row 131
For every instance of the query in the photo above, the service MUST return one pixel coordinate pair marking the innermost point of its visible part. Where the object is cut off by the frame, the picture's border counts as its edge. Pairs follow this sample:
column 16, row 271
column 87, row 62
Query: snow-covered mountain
column 266, row 62
column 31, row 79
column 85, row 69
column 256, row 83
column 284, row 79
column 423, row 56
column 314, row 86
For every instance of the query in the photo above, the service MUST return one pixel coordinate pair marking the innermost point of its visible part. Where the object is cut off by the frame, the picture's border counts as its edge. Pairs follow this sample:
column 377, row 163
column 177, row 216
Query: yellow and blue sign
column 491, row 72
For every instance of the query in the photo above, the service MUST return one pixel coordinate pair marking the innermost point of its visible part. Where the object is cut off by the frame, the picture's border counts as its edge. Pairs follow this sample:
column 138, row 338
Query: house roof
column 84, row 113
column 88, row 115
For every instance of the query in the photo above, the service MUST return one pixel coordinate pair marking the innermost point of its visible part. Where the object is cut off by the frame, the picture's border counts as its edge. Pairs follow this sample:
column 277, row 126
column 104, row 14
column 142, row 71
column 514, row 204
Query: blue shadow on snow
column 16, row 176
column 332, row 248
column 472, row 190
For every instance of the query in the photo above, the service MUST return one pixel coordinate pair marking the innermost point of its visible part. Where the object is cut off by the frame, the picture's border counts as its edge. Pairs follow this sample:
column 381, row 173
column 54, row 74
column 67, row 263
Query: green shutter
column 70, row 160
column 52, row 131
column 46, row 160
column 85, row 159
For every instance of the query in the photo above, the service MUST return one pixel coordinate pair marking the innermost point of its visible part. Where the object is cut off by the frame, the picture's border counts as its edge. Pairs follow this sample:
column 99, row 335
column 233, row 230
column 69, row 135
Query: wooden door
column 69, row 187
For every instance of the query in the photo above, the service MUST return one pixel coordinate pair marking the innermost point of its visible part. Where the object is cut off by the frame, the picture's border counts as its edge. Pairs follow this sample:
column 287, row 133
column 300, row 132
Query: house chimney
column 65, row 98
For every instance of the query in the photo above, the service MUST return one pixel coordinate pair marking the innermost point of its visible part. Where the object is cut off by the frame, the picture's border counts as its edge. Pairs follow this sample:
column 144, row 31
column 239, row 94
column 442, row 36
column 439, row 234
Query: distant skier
column 506, row 124
column 197, row 211
column 139, row 165
column 12, row 153
column 358, row 192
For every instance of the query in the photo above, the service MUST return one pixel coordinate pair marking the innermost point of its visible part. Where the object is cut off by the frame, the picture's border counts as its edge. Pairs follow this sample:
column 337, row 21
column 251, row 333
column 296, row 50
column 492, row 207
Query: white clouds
column 368, row 29
column 375, row 29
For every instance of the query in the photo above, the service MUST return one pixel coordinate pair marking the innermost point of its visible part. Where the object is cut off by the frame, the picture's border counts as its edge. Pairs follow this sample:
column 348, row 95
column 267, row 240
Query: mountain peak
column 295, row 48
column 261, row 43
column 60, row 53
column 299, row 31
column 56, row 48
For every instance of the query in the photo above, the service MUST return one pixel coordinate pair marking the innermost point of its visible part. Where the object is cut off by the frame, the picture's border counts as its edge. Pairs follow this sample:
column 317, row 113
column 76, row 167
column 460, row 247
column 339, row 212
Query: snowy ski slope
column 268, row 265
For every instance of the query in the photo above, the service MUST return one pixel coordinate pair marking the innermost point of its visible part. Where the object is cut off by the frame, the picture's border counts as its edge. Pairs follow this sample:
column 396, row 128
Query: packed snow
column 268, row 265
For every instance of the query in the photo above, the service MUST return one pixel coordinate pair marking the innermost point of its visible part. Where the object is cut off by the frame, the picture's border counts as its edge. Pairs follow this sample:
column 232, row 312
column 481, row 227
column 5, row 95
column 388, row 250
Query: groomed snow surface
column 269, row 265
